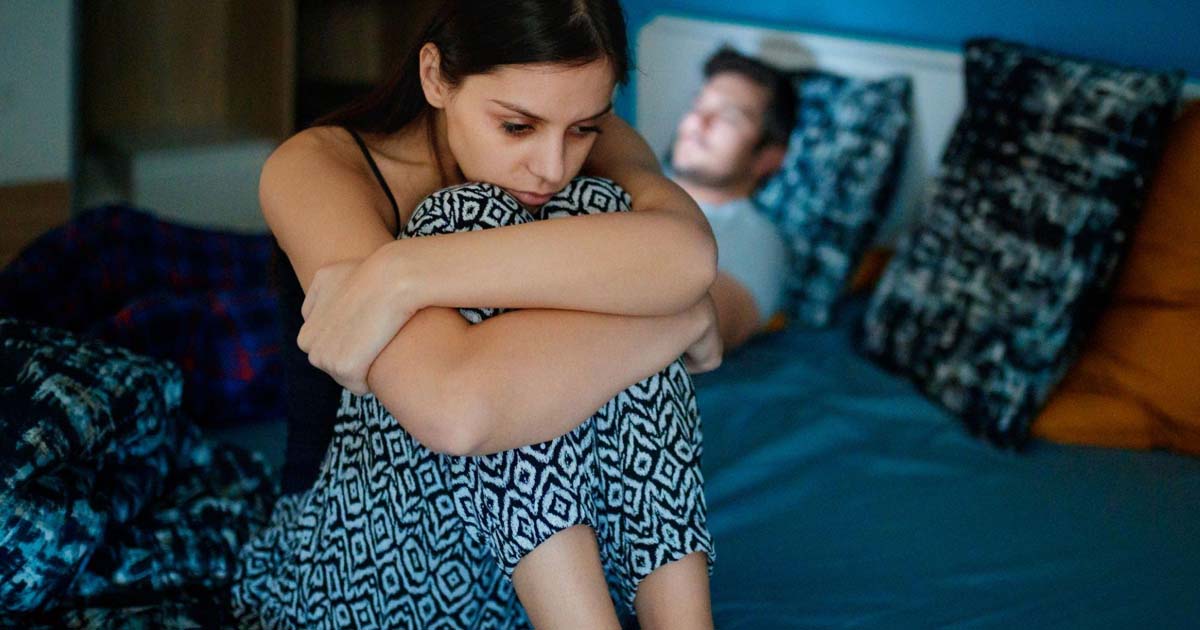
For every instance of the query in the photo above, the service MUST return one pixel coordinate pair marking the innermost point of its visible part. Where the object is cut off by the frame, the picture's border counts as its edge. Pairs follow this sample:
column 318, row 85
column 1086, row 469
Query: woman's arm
column 656, row 260
column 317, row 207
column 514, row 379
column 522, row 377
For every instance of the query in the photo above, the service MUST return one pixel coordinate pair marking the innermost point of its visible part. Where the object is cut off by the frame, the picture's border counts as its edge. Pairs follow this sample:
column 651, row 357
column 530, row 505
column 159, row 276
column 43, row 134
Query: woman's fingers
column 347, row 322
column 310, row 298
column 689, row 364
column 345, row 370
column 706, row 354
column 304, row 339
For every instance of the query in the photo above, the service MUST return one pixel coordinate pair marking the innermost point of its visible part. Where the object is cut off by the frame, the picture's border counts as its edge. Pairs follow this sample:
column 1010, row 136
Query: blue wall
column 1162, row 34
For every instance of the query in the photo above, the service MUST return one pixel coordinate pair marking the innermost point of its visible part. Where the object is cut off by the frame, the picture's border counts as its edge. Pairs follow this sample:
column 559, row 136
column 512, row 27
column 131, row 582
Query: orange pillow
column 870, row 269
column 865, row 277
column 1137, row 382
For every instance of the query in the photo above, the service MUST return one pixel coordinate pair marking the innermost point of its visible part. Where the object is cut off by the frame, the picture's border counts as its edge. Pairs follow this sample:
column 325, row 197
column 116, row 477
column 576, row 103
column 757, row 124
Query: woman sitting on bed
column 488, row 467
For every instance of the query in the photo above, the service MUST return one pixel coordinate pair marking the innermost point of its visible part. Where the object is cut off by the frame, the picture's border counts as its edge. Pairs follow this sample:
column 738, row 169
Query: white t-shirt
column 751, row 250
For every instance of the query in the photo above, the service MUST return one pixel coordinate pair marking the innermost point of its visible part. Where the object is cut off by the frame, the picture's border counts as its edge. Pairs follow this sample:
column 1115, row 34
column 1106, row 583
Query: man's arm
column 737, row 314
column 751, row 278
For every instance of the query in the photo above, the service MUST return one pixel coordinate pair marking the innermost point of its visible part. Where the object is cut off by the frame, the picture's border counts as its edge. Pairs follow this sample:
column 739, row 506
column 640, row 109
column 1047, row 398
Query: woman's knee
column 587, row 195
column 465, row 208
column 480, row 206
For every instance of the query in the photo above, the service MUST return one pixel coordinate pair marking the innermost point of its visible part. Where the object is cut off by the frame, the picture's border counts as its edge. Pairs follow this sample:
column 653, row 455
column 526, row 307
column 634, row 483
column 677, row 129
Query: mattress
column 839, row 497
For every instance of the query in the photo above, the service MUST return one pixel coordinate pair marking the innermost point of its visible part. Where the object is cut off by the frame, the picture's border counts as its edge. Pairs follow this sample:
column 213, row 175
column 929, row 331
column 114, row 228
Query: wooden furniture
column 28, row 210
column 178, row 95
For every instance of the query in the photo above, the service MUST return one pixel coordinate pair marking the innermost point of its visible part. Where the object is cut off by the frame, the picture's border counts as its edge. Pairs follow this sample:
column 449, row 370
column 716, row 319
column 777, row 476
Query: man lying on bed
column 734, row 135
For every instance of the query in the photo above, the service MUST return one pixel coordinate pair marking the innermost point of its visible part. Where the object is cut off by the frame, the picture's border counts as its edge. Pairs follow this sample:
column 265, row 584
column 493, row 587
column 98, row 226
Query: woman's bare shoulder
column 313, row 150
column 314, row 167
column 328, row 159
column 320, row 205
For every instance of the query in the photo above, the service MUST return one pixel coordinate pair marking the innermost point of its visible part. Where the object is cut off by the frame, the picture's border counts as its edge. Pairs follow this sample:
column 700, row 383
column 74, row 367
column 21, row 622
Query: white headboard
column 672, row 49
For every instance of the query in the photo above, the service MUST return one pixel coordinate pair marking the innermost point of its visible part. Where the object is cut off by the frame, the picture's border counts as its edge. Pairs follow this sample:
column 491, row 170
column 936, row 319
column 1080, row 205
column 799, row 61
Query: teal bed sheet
column 839, row 497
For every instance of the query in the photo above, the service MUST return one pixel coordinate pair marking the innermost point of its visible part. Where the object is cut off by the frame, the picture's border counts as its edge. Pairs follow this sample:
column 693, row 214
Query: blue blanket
column 839, row 497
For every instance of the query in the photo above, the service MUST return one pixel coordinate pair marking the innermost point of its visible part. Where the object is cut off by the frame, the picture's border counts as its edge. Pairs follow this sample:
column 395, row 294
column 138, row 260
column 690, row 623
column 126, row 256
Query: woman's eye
column 515, row 129
column 586, row 130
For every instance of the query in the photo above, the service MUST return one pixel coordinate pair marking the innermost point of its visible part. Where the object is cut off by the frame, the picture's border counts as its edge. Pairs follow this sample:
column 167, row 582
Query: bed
column 840, row 496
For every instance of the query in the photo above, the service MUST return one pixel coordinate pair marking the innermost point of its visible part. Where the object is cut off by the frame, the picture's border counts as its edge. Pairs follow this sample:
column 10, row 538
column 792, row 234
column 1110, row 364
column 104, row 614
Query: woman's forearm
column 630, row 263
column 519, row 378
column 545, row 372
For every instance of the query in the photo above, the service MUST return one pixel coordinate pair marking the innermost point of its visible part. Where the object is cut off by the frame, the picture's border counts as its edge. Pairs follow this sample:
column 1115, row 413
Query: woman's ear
column 430, row 65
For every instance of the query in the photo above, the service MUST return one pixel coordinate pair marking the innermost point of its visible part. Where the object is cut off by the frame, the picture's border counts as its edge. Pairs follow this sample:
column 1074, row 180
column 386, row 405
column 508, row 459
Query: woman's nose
column 548, row 162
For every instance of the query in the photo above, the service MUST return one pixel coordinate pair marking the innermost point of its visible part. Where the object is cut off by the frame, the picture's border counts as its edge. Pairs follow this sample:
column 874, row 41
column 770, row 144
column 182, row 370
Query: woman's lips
column 530, row 199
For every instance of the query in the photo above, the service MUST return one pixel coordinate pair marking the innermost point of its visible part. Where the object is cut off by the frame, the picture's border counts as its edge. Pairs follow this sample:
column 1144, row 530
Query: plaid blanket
column 116, row 512
column 199, row 298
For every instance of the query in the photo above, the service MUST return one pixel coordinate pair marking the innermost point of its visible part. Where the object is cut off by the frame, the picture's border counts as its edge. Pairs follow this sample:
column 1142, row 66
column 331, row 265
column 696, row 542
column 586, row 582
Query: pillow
column 1137, row 383
column 67, row 408
column 106, row 492
column 836, row 182
column 985, row 301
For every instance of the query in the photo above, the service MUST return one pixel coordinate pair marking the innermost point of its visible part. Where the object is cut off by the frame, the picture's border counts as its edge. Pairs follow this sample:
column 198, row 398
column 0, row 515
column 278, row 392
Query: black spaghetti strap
column 379, row 176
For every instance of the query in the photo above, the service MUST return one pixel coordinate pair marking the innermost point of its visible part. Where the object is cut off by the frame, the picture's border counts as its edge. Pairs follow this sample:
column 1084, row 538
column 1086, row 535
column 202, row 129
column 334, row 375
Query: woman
column 469, row 466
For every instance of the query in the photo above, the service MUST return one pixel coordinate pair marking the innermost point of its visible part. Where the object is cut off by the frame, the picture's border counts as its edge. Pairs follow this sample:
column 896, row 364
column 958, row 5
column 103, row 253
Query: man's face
column 717, row 139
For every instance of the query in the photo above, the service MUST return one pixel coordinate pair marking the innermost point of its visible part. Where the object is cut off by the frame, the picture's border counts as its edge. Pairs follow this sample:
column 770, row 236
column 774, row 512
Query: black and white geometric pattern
column 986, row 301
column 393, row 535
column 836, row 182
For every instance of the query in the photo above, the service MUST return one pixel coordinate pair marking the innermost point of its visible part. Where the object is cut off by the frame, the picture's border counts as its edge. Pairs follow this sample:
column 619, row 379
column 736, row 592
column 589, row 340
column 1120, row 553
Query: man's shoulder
column 746, row 214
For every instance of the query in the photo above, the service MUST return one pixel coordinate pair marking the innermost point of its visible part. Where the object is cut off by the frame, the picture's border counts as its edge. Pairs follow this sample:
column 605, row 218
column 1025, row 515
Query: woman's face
column 528, row 128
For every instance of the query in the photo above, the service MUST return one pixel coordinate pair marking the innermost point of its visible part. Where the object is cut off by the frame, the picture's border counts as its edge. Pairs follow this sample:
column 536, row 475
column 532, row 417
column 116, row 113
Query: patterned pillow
column 836, row 182
column 986, row 299
column 106, row 492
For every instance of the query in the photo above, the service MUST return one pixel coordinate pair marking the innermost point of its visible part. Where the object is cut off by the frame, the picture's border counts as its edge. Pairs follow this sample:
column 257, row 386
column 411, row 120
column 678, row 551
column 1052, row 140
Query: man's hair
column 780, row 114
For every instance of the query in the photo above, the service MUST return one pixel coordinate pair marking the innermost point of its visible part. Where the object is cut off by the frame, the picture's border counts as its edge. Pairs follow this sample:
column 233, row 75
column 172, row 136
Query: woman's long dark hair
column 477, row 36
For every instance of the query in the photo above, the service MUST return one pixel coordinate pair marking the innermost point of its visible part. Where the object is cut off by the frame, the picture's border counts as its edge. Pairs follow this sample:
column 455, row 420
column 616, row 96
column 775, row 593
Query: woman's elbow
column 444, row 419
column 454, row 424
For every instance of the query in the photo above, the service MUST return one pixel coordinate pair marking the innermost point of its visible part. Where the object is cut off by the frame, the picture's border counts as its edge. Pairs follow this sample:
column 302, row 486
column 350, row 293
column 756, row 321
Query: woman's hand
column 351, row 312
column 704, row 355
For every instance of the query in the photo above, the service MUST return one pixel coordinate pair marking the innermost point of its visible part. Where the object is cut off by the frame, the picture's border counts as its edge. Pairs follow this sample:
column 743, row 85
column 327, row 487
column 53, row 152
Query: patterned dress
column 393, row 535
